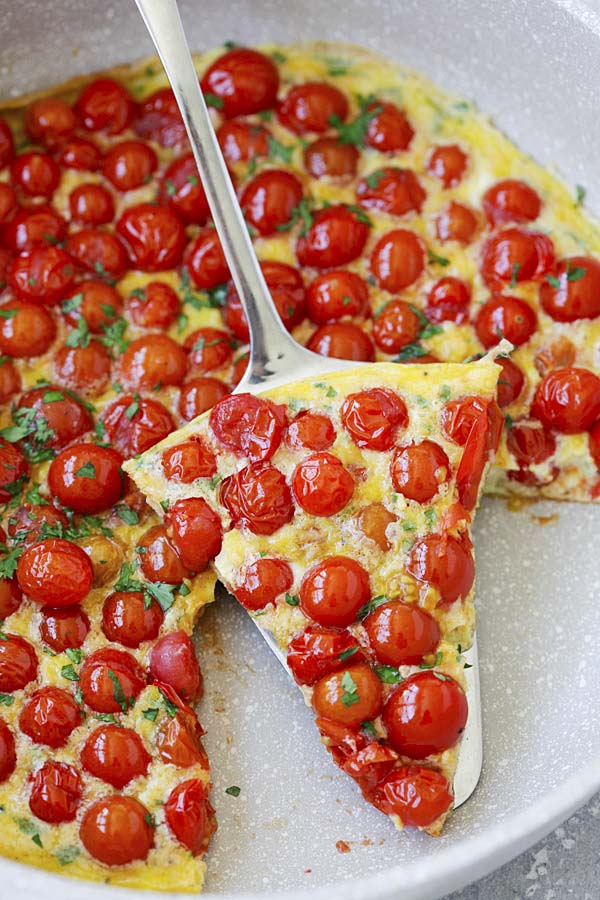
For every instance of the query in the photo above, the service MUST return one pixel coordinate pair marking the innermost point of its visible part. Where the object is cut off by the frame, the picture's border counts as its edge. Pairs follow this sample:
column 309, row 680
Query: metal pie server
column 275, row 357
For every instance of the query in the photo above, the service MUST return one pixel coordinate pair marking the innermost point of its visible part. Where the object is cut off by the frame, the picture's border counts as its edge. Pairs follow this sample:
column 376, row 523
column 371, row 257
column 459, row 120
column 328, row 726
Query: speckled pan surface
column 534, row 67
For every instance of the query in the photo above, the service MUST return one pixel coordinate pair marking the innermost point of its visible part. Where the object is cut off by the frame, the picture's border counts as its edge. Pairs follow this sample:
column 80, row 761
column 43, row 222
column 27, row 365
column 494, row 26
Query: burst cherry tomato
column 178, row 738
column 516, row 255
column 335, row 294
column 329, row 158
column 505, row 317
column 391, row 190
column 110, row 680
column 372, row 417
column 159, row 119
column 13, row 469
column 63, row 628
column 349, row 697
column 333, row 591
column 35, row 173
column 337, row 235
column 105, row 105
column 369, row 764
column 30, row 520
column 418, row 795
column 155, row 359
column 116, row 830
column 568, row 400
column 269, row 199
column 44, row 274
column 244, row 80
column 311, row 430
column 242, row 141
column 18, row 663
column 129, row 164
column 342, row 340
column 81, row 154
column 184, row 463
column 181, row 189
column 99, row 304
column 7, row 145
column 134, row 424
column 64, row 416
column 425, row 715
column 448, row 300
column 529, row 442
column 262, row 582
column 205, row 260
column 395, row 326
column 373, row 521
column 98, row 251
column 10, row 597
column 510, row 383
column 38, row 225
column 258, row 498
column 173, row 661
column 159, row 559
column 397, row 259
column 389, row 130
column 401, row 634
column 511, row 201
column 85, row 370
column 55, row 792
column 156, row 305
column 322, row 485
column 87, row 478
column 309, row 107
column 154, row 235
column 447, row 163
column 190, row 816
column 8, row 756
column 200, row 394
column 55, row 573
column 456, row 223
column 574, row 291
column 319, row 651
column 26, row 330
column 419, row 470
column 196, row 531
column 248, row 426
column 49, row 717
column 91, row 204
column 209, row 348
column 445, row 563
column 287, row 290
column 128, row 619
column 115, row 755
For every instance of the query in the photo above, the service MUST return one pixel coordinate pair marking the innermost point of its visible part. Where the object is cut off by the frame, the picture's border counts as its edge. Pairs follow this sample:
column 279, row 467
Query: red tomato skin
column 160, row 561
column 397, row 192
column 31, row 226
column 329, row 693
column 105, row 105
column 178, row 738
column 173, row 661
column 313, row 431
column 269, row 198
column 445, row 563
column 80, row 154
column 322, row 485
column 99, row 304
column 8, row 755
column 248, row 426
column 418, row 795
column 242, row 141
column 10, row 597
column 132, row 433
column 157, row 308
column 115, row 830
column 126, row 619
column 129, row 164
column 43, row 274
column 515, row 255
column 190, row 816
column 184, row 463
column 425, row 715
column 30, row 332
column 448, row 163
column 10, row 380
column 196, row 531
column 257, row 498
column 245, row 81
column 511, row 200
column 315, row 652
column 373, row 417
column 335, row 238
column 397, row 260
column 198, row 395
column 85, row 370
column 181, row 190
column 91, row 204
column 64, row 628
column 8, row 202
column 529, row 442
column 18, row 663
column 510, row 383
column 419, row 470
column 328, row 158
column 594, row 444
column 92, row 494
column 97, row 685
column 206, row 261
column 505, row 317
column 55, row 573
column 263, row 581
column 401, row 634
column 159, row 120
column 395, row 326
column 115, row 755
column 308, row 107
column 457, row 223
column 448, row 301
column 154, row 235
column 7, row 145
column 55, row 793
column 35, row 173
column 335, row 294
column 568, row 400
column 332, row 592
column 153, row 359
column 98, row 251
column 49, row 717
column 342, row 340
column 573, row 299
column 389, row 130
column 209, row 349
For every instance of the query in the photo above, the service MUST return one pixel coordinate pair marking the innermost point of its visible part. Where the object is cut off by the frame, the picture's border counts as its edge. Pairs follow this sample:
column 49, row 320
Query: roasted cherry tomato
column 117, row 830
column 514, row 255
column 425, row 714
column 135, row 424
column 26, row 329
column 18, row 663
column 87, row 478
column 10, row 597
column 30, row 520
column 287, row 290
column 186, row 462
column 333, row 591
column 56, row 791
column 319, row 651
column 14, row 468
column 311, row 430
column 200, row 394
column 35, row 173
column 510, row 383
column 99, row 304
column 63, row 628
column 445, row 563
column 91, row 204
column 309, row 107
column 43, row 274
column 322, row 484
column 369, row 764
column 448, row 300
column 419, row 470
column 418, row 795
column 373, row 521
column 55, row 573
column 98, row 251
column 154, row 235
column 335, row 294
column 349, row 697
column 105, row 105
column 190, row 816
column 511, row 200
column 79, row 153
column 327, row 157
column 391, row 190
column 447, row 163
column 129, row 164
column 529, row 442
column 128, row 618
column 559, row 354
column 476, row 425
column 248, row 426
column 115, row 755
column 262, row 582
column 372, row 417
column 196, row 532
column 159, row 559
column 159, row 120
column 389, row 130
column 505, row 317
column 49, row 716
column 243, row 81
column 60, row 417
column 401, row 634
column 178, row 737
column 337, row 235
column 568, row 400
column 258, row 498
column 155, row 359
column 209, row 349
column 268, row 200
column 110, row 680
column 573, row 292
column 457, row 223
column 8, row 756
column 342, row 340
column 31, row 226
column 397, row 259
column 85, row 370
column 173, row 661
column 395, row 326
column 243, row 141
column 8, row 202
column 156, row 305
column 206, row 261
column 181, row 189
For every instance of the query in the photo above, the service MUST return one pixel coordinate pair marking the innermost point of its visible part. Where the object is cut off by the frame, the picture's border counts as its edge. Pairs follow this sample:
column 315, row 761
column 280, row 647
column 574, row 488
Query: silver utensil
column 275, row 357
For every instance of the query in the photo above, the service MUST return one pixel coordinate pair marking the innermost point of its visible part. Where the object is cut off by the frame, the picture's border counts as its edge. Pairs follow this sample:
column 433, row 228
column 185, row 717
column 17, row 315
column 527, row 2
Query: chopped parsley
column 369, row 728
column 118, row 692
column 292, row 600
column 301, row 213
column 356, row 131
column 75, row 655
column 388, row 674
column 579, row 194
column 213, row 100
column 233, row 791
column 350, row 695
column 69, row 673
column 26, row 826
column 67, row 855
column 438, row 658
column 6, row 699
column 373, row 603
column 150, row 713
column 277, row 150
column 126, row 514
column 88, row 470
column 346, row 654
column 171, row 708
column 515, row 274
column 436, row 260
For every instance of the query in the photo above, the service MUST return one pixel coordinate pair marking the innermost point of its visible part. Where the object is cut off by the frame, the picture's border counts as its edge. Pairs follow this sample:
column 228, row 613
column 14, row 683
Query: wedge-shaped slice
column 338, row 512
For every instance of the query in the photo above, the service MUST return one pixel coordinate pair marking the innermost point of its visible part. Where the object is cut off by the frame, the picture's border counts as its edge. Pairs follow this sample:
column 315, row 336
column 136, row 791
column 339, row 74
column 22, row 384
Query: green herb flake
column 75, row 655
column 553, row 281
column 118, row 693
column 278, row 57
column 6, row 699
column 213, row 100
column 346, row 654
column 579, row 194
column 438, row 659
column 369, row 729
column 292, row 600
column 133, row 408
column 67, row 855
column 150, row 713
column 277, row 150
column 515, row 274
column 430, row 516
column 350, row 688
column 69, row 673
column 233, row 791
column 411, row 351
column 126, row 514
column 88, row 470
column 435, row 259
column 445, row 392
column 171, row 708
column 388, row 674
column 373, row 603
column 355, row 132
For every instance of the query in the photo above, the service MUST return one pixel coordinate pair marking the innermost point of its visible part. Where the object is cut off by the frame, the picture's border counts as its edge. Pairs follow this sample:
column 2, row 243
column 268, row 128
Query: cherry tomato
column 64, row 417
column 425, row 714
column 287, row 290
column 55, row 573
column 322, row 485
column 99, row 304
column 516, row 255
column 391, row 190
column 98, row 251
column 447, row 163
column 8, row 202
column 26, row 329
column 445, row 563
column 248, row 426
column 244, row 80
column 10, row 597
column 198, row 395
column 85, row 370
column 154, row 235
column 349, row 697
column 258, row 498
column 239, row 368
column 529, row 442
column 29, row 521
column 418, row 795
column 190, row 816
column 8, row 756
column 155, row 359
column 156, row 305
column 173, row 661
column 205, row 260
column 342, row 340
column 160, row 561
column 457, row 223
column 135, row 424
column 81, row 154
column 243, row 141
column 335, row 294
column 309, row 107
column 401, row 634
column 510, row 383
column 448, row 301
column 557, row 355
column 13, row 469
column 311, row 430
column 63, row 628
column 38, row 225
column 574, row 291
column 461, row 417
column 128, row 620
column 178, row 738
column 55, row 792
column 116, row 831
column 419, row 470
column 327, row 157
column 49, row 121
column 184, row 463
column 389, row 130
column 196, row 532
column 397, row 260
column 333, row 591
column 369, row 764
column 7, row 145
column 319, row 651
column 10, row 379
column 373, row 417
column 18, row 663
column 395, row 326
column 475, row 425
column 262, row 582
column 594, row 444
column 35, row 173
column 44, row 273
column 87, row 478
column 110, row 680
column 336, row 237
column 373, row 521
column 105, row 105
column 209, row 348
column 268, row 200
column 505, row 317
column 511, row 200
column 181, row 190
column 49, row 717
column 91, row 204
column 568, row 400
column 115, row 755
column 159, row 120
column 129, row 164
